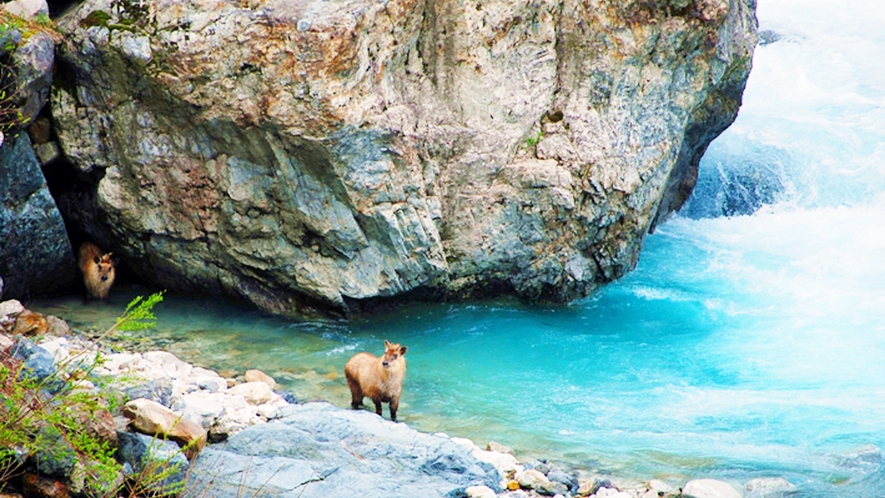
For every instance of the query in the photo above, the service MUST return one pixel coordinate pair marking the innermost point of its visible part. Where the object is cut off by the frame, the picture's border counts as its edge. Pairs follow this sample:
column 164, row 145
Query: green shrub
column 46, row 421
column 39, row 420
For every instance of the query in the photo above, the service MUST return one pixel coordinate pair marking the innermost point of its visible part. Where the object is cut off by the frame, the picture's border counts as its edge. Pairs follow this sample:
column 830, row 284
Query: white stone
column 226, row 426
column 256, row 393
column 120, row 362
column 202, row 407
column 709, row 488
column 11, row 308
column 235, row 420
column 480, row 492
column 57, row 348
column 200, row 372
column 504, row 462
column 236, row 402
column 531, row 478
column 268, row 411
column 135, row 46
column 26, row 9
column 167, row 364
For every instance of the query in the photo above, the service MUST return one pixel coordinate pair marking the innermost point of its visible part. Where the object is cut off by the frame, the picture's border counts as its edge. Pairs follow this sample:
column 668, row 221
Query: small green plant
column 11, row 116
column 41, row 23
column 533, row 140
column 8, row 35
column 95, row 18
column 139, row 315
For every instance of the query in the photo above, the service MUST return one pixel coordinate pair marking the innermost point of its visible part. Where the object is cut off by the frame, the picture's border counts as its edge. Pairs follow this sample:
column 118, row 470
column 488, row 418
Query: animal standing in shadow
column 380, row 379
column 98, row 271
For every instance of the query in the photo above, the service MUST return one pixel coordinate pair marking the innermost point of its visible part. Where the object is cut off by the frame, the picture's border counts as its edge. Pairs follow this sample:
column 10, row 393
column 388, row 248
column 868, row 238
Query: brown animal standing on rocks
column 98, row 271
column 381, row 379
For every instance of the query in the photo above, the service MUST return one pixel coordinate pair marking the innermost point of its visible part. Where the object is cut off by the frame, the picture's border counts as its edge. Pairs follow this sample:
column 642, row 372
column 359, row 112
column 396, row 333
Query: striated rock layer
column 325, row 154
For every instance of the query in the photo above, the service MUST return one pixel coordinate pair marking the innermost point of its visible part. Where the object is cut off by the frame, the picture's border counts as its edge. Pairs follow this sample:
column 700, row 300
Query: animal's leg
column 356, row 394
column 394, row 404
column 377, row 406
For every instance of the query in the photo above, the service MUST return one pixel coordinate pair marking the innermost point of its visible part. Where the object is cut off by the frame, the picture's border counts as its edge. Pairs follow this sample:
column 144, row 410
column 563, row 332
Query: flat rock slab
column 318, row 450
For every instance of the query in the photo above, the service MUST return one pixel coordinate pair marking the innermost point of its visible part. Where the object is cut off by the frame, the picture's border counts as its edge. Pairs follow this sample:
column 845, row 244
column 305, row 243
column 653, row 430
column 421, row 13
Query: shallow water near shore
column 729, row 352
column 741, row 346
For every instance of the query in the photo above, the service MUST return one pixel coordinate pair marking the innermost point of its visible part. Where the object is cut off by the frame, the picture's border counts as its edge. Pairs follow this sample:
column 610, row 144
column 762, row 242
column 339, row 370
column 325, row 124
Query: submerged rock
column 328, row 154
column 317, row 450
column 769, row 487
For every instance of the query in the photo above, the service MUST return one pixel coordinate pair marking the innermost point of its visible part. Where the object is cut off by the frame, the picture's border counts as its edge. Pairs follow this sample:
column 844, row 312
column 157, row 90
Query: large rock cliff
column 325, row 154
column 35, row 253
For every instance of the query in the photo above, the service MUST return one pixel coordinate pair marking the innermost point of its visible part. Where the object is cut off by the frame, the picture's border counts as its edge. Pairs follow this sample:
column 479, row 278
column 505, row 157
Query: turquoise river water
column 745, row 345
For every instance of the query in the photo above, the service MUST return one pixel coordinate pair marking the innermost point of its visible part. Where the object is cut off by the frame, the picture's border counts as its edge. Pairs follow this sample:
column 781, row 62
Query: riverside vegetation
column 56, row 420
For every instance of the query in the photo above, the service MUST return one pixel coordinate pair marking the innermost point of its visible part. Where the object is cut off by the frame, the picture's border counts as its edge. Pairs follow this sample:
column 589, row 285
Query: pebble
column 531, row 478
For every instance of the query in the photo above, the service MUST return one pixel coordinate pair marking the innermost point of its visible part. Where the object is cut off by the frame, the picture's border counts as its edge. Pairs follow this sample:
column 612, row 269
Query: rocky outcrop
column 329, row 154
column 35, row 253
column 318, row 450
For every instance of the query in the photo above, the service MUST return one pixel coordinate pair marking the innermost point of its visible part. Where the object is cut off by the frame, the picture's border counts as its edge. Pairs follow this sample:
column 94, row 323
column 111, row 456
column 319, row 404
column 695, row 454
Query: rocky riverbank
column 263, row 443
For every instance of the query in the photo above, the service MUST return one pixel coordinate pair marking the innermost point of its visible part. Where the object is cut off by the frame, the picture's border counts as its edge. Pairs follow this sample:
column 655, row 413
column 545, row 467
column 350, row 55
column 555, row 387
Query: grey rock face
column 317, row 450
column 38, row 364
column 159, row 465
column 34, row 60
column 331, row 153
column 35, row 253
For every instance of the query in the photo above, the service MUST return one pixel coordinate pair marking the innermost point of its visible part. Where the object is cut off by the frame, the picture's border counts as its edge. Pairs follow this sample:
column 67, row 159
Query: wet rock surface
column 318, row 450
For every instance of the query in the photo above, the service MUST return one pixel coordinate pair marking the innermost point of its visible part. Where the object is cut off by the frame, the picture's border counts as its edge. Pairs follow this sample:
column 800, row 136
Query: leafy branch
column 139, row 315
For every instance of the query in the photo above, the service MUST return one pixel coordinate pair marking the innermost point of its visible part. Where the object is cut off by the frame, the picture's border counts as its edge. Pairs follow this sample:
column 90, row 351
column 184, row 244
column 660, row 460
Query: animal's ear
column 113, row 261
column 386, row 344
column 402, row 350
column 97, row 260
